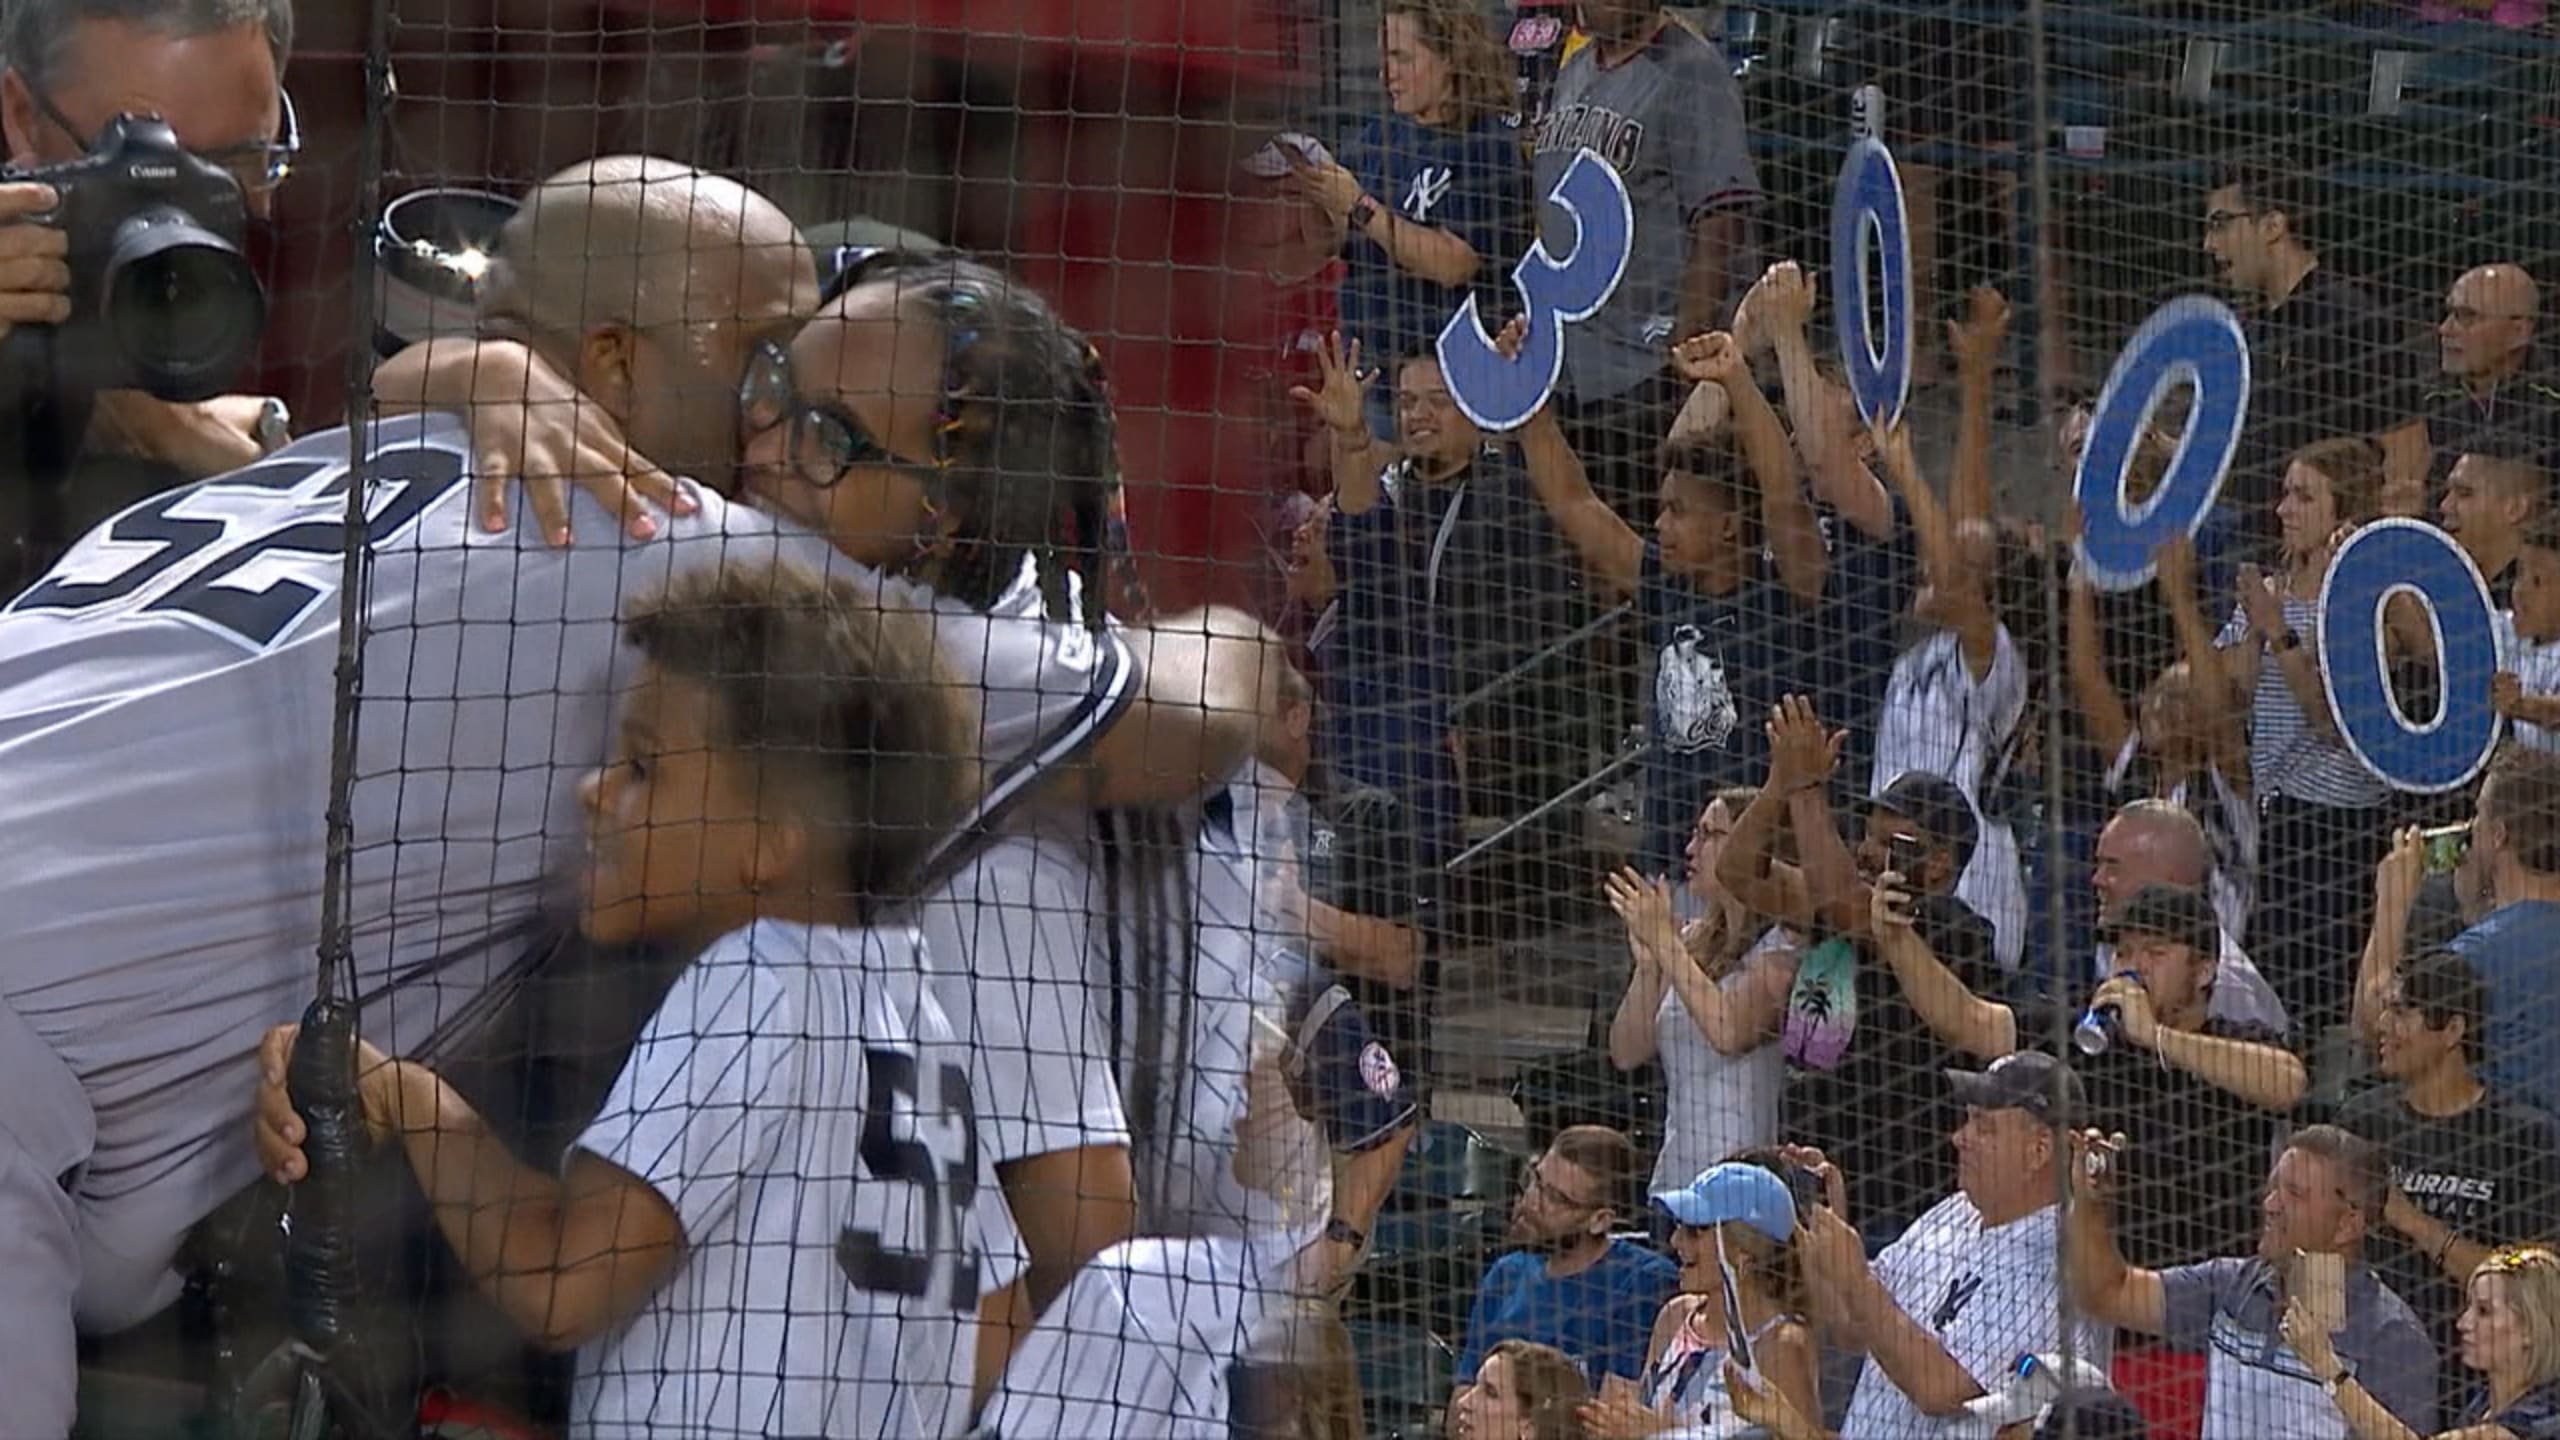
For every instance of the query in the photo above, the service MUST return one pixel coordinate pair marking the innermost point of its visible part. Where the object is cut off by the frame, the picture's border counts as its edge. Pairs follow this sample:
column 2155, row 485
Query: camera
column 162, row 299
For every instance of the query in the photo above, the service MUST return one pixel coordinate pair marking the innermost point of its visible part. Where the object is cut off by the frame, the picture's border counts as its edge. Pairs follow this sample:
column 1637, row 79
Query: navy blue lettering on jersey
column 246, row 556
column 1720, row 662
column 1472, row 183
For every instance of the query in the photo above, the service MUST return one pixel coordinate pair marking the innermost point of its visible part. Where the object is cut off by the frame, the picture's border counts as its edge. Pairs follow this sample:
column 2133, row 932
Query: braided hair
column 1027, row 448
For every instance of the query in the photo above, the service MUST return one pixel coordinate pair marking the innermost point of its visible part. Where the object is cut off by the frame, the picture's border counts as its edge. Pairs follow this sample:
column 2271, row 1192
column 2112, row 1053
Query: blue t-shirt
column 1602, row 1317
column 1473, row 183
column 1720, row 662
column 2513, row 949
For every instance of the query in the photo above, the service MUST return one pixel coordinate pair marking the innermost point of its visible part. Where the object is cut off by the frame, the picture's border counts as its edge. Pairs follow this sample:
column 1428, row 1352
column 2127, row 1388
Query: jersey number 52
column 245, row 556
column 869, row 1259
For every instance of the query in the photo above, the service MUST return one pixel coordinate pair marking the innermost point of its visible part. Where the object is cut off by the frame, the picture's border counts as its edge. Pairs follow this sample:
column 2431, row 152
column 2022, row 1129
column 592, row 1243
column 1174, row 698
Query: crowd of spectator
column 1910, row 793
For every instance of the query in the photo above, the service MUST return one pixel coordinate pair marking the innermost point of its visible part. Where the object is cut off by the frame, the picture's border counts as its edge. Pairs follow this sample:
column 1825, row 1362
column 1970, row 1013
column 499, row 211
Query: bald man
column 2496, row 395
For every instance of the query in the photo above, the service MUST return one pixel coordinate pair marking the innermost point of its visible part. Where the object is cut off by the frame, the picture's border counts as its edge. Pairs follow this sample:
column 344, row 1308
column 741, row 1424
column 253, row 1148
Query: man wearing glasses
column 1572, row 1282
column 2496, row 395
column 213, row 69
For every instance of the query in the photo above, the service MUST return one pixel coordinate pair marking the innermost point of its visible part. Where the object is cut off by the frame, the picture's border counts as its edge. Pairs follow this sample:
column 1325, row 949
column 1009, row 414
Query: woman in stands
column 1523, row 1391
column 1737, row 1219
column 2510, row 1334
column 1706, row 999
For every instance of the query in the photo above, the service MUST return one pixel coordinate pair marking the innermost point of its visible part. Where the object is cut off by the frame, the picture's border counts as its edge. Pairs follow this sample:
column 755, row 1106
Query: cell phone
column 1904, row 855
column 1805, row 1184
column 2446, row 847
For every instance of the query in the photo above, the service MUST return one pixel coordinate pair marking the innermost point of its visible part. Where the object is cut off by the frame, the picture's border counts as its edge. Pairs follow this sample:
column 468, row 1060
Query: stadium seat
column 1405, row 1375
column 1449, row 1163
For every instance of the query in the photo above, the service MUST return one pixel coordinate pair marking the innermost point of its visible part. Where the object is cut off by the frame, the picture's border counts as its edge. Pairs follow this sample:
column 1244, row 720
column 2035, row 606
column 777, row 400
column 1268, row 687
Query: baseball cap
column 2027, row 1080
column 1339, row 1074
column 1734, row 1191
column 1933, row 803
column 2173, row 912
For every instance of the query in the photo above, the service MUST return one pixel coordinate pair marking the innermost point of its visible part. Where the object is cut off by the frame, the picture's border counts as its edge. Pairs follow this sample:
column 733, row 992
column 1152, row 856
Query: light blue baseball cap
column 1734, row 1191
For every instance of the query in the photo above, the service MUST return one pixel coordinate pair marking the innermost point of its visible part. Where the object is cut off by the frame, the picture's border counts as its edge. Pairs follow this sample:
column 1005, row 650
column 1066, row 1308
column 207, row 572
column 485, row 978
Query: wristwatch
column 1363, row 210
column 2329, row 1387
column 1343, row 1232
column 2287, row 643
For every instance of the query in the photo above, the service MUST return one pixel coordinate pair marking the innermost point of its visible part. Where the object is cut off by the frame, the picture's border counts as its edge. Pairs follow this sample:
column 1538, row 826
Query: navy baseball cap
column 1340, row 1076
column 1734, row 1192
column 2028, row 1080
column 1933, row 803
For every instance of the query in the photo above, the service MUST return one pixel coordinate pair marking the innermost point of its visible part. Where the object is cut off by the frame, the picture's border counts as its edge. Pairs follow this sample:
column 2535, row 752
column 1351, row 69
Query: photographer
column 212, row 70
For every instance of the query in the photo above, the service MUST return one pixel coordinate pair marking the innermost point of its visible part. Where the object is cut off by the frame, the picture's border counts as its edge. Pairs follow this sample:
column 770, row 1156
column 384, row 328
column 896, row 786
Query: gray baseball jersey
column 165, row 714
column 1669, row 119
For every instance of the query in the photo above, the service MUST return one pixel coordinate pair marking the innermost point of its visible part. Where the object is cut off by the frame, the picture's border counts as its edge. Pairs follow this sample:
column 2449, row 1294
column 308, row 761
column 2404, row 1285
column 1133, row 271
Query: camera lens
column 181, row 303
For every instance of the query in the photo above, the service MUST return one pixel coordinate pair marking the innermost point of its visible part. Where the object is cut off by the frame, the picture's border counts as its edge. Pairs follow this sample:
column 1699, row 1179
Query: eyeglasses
column 258, row 166
column 826, row 441
column 2465, row 317
column 1537, row 1184
column 2225, row 219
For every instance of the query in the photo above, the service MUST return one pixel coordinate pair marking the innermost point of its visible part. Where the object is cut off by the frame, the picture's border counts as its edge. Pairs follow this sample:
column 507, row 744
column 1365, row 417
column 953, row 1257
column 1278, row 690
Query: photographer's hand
column 35, row 281
column 211, row 437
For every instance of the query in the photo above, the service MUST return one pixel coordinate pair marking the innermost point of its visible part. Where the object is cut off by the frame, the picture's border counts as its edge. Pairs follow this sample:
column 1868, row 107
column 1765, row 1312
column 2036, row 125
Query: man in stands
column 2494, row 382
column 1572, row 1283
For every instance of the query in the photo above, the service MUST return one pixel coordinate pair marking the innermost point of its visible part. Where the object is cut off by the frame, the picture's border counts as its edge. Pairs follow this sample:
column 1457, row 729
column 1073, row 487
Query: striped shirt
column 2288, row 756
column 2537, row 667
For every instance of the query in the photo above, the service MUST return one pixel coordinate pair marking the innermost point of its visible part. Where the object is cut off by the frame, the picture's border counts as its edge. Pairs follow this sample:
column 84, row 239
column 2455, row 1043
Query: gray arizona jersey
column 1669, row 121
column 165, row 706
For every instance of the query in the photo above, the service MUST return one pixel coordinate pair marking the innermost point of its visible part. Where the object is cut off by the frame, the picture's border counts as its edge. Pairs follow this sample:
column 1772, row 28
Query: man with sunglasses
column 213, row 69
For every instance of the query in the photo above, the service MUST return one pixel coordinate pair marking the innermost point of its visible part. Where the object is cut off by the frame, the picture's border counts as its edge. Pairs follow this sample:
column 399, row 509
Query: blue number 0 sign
column 2194, row 341
column 1501, row 393
column 2410, row 557
column 1868, row 225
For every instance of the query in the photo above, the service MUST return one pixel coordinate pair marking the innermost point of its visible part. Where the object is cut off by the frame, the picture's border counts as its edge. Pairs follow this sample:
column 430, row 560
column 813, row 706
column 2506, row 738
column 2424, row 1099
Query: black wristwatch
column 1364, row 210
column 1343, row 1232
column 2287, row 643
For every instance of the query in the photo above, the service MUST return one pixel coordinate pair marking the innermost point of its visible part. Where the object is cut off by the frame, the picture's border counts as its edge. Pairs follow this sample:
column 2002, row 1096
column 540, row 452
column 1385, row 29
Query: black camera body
column 162, row 297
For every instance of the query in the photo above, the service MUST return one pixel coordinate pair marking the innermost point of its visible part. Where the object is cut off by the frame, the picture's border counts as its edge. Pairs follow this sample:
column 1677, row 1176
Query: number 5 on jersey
column 1502, row 394
column 873, row 1260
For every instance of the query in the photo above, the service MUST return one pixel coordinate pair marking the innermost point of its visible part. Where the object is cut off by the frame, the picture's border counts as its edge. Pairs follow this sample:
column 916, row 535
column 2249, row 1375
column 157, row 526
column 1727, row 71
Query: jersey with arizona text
column 166, row 698
column 803, row 1106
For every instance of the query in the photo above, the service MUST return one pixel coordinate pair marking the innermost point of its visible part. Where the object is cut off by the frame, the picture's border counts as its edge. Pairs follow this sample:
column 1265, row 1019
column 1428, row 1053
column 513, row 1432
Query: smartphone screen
column 1905, row 854
column 2447, row 845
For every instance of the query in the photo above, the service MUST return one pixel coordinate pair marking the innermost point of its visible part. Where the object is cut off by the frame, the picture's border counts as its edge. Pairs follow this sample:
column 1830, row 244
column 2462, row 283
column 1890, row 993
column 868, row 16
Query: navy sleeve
column 1342, row 1078
column 2401, row 1374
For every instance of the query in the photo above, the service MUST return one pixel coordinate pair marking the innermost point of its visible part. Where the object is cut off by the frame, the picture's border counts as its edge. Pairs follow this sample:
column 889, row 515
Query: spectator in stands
column 2489, row 500
column 1572, row 1284
column 2527, row 687
column 1705, row 999
column 1449, row 576
column 1946, row 1310
column 1735, row 1218
column 2322, row 813
column 2493, row 382
column 2324, row 1197
column 2471, row 1169
column 1717, row 585
column 2510, row 1333
column 2326, row 359
column 1868, row 1007
column 2158, row 842
column 1523, row 1391
column 1955, row 698
column 1433, row 196
column 2513, row 859
column 1659, row 102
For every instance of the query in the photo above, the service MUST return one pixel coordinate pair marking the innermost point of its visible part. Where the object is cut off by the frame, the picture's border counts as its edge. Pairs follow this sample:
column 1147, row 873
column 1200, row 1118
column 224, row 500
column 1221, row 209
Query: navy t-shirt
column 1847, row 646
column 1720, row 662
column 1473, row 183
column 1602, row 1318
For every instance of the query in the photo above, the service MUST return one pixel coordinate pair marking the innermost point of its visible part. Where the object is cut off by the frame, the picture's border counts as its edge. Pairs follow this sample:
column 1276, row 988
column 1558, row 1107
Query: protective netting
column 1134, row 850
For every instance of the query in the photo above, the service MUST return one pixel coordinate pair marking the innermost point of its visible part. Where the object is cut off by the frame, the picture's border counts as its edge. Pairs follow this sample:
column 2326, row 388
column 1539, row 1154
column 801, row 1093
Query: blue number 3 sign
column 1502, row 394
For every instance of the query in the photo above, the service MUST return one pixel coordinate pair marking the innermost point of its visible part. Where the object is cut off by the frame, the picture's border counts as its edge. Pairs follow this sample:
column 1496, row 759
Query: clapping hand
column 1801, row 753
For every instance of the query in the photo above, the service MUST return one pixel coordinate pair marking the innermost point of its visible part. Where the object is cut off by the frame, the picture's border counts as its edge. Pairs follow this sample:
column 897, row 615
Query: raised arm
column 1340, row 401
column 1975, row 341
column 1982, row 1028
column 1910, row 1354
column 1964, row 603
column 1787, row 525
column 2102, row 1284
column 1747, row 869
column 2102, row 710
column 1441, row 256
column 1822, row 418
column 1611, row 550
column 2396, row 881
column 1194, row 720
